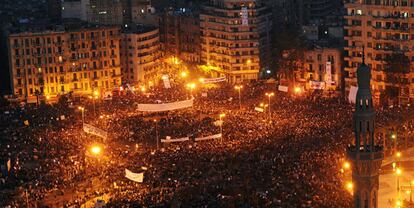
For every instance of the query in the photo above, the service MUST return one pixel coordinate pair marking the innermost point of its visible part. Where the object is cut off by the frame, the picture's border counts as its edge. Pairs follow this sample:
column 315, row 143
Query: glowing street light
column 398, row 204
column 221, row 116
column 191, row 86
column 96, row 150
column 347, row 165
column 398, row 172
column 269, row 95
column 398, row 154
column 183, row 74
column 201, row 80
column 82, row 109
column 156, row 132
column 239, row 87
column 297, row 90
column 349, row 186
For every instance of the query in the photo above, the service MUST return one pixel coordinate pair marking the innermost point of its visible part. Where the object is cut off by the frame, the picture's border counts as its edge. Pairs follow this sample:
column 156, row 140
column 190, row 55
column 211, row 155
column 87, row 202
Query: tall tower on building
column 366, row 157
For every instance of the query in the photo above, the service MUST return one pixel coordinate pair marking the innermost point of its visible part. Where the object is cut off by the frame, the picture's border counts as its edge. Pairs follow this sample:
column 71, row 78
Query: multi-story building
column 322, row 69
column 75, row 9
column 77, row 61
column 107, row 12
column 140, row 54
column 142, row 12
column 180, row 34
column 384, row 29
column 236, row 38
column 303, row 12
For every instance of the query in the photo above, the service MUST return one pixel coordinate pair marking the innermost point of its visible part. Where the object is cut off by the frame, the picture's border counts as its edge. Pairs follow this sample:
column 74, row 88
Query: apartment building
column 55, row 62
column 236, row 38
column 384, row 29
column 140, row 54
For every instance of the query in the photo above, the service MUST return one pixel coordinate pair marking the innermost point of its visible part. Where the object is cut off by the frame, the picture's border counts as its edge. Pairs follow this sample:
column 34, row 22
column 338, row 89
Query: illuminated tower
column 366, row 157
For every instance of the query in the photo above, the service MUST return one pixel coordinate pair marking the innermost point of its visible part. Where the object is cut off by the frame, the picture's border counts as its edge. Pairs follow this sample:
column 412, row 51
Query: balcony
column 112, row 46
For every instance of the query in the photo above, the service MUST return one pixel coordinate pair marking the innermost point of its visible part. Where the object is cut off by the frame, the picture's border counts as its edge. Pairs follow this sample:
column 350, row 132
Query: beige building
column 140, row 54
column 236, row 38
column 51, row 63
column 321, row 70
column 384, row 28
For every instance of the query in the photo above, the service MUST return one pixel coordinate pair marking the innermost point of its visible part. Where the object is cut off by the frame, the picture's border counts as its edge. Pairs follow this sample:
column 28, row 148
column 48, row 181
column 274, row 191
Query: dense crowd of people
column 289, row 157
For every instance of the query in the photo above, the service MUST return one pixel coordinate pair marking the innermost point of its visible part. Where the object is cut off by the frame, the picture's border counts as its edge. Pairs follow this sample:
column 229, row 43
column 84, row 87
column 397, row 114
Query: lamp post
column 398, row 173
column 156, row 132
column 269, row 95
column 191, row 86
column 94, row 97
column 239, row 87
column 82, row 109
column 221, row 125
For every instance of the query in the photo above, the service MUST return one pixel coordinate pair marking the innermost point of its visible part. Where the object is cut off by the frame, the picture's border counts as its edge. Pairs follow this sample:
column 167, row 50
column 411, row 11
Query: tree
column 289, row 49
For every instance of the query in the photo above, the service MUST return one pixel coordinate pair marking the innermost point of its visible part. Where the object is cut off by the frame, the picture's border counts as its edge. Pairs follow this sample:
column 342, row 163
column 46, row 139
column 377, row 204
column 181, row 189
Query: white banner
column 95, row 131
column 169, row 140
column 214, row 80
column 352, row 94
column 259, row 109
column 137, row 177
column 245, row 16
column 283, row 88
column 317, row 85
column 165, row 106
column 215, row 136
column 166, row 81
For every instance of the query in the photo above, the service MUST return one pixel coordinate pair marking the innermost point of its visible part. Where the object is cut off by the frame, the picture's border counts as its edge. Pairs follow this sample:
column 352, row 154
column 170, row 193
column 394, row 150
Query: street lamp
column 347, row 165
column 191, row 86
column 96, row 150
column 184, row 74
column 239, row 87
column 398, row 172
column 221, row 125
column 297, row 90
column 349, row 186
column 82, row 109
column 94, row 97
column 269, row 95
column 156, row 132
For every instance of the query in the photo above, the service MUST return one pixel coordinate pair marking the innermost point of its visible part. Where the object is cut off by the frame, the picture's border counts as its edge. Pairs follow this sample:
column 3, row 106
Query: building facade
column 140, row 54
column 52, row 63
column 236, row 38
column 322, row 69
column 384, row 28
column 180, row 34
